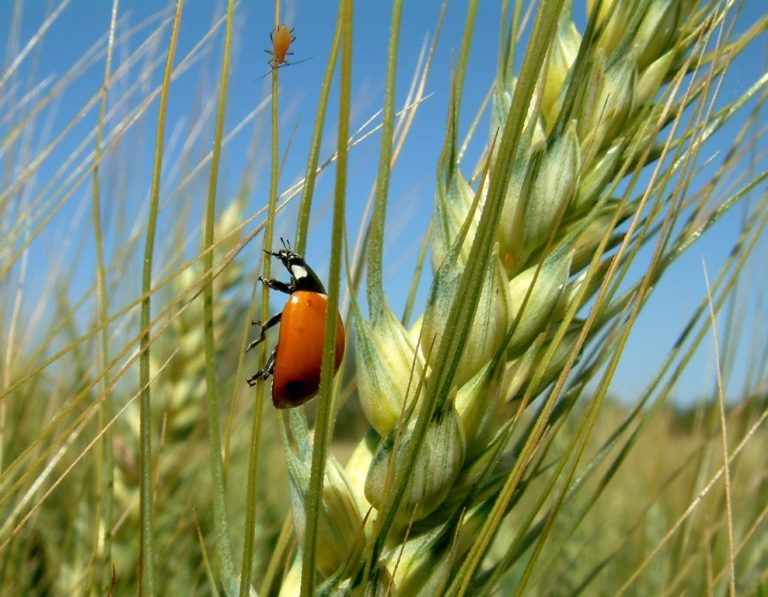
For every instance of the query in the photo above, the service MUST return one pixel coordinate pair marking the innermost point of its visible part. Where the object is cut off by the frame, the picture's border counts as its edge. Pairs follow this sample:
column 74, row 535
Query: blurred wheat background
column 543, row 225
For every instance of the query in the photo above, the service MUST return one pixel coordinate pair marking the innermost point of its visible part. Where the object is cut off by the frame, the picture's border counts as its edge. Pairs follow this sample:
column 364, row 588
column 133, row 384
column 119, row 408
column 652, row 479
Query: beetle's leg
column 264, row 374
column 271, row 322
column 276, row 285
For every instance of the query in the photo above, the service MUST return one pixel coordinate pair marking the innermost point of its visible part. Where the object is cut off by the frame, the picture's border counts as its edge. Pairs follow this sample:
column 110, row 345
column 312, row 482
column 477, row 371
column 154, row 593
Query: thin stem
column 256, row 423
column 310, row 176
column 322, row 427
column 724, row 439
column 376, row 296
column 223, row 549
column 146, row 564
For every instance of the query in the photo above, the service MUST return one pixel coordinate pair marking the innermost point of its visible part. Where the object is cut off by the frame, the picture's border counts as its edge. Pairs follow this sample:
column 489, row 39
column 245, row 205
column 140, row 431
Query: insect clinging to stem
column 282, row 37
column 296, row 361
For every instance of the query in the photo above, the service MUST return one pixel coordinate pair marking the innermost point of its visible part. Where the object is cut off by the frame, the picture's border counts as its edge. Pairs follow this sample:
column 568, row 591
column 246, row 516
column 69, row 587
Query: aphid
column 282, row 38
column 296, row 360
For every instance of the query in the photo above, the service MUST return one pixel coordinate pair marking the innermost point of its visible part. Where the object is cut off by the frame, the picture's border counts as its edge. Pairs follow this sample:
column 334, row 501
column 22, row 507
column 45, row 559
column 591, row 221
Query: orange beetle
column 282, row 38
column 296, row 360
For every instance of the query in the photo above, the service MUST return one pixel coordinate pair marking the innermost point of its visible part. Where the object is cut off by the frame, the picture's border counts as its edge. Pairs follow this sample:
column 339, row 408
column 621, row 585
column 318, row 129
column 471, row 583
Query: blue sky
column 84, row 22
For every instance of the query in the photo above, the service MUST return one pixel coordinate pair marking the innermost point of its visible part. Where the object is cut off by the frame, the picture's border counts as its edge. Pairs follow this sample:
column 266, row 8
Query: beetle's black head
column 303, row 277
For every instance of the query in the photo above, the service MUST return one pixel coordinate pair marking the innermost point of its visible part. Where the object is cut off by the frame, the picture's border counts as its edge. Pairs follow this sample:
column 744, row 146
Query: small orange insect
column 282, row 37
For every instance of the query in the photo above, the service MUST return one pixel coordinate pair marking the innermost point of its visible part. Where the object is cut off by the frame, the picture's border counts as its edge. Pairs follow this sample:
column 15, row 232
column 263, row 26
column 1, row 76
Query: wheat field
column 543, row 225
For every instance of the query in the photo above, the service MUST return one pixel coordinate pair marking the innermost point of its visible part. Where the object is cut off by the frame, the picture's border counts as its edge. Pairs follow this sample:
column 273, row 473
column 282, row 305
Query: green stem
column 322, row 427
column 302, row 225
column 147, row 581
column 223, row 549
column 376, row 298
column 246, row 565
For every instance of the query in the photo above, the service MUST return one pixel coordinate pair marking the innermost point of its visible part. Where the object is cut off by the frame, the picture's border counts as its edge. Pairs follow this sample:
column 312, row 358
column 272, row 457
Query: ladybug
column 295, row 362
